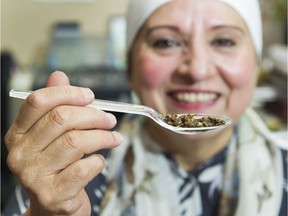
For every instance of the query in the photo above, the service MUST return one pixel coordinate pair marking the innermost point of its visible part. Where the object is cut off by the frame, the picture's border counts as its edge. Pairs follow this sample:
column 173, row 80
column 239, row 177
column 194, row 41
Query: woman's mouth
column 192, row 97
column 194, row 100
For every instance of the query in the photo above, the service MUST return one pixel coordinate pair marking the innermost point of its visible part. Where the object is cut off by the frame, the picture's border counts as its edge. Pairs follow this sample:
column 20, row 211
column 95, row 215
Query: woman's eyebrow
column 240, row 30
column 176, row 29
column 159, row 27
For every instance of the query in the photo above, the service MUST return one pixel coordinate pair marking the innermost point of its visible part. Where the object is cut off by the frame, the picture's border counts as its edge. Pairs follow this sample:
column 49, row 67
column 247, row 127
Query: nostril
column 194, row 70
column 197, row 69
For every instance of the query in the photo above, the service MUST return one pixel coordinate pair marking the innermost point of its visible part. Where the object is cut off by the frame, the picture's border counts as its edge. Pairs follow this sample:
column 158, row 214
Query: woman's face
column 194, row 56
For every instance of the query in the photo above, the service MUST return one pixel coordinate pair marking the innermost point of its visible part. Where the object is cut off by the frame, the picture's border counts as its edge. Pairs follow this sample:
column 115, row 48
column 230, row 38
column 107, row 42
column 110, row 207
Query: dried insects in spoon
column 191, row 120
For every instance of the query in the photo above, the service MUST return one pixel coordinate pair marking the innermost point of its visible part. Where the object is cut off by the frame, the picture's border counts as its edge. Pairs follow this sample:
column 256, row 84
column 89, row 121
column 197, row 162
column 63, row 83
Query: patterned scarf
column 141, row 181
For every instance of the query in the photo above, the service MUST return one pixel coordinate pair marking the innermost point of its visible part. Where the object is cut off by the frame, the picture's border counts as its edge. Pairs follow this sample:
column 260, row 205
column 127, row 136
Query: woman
column 185, row 56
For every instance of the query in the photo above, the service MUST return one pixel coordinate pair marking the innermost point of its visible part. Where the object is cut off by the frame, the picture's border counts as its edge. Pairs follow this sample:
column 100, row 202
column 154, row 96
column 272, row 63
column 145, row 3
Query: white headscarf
column 139, row 11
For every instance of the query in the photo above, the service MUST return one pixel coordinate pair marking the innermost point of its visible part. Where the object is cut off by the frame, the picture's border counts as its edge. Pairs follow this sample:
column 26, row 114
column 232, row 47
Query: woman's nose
column 197, row 63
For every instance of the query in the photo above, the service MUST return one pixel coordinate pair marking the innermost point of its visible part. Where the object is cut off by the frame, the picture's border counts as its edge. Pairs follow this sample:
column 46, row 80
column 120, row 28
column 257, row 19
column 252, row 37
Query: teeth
column 195, row 97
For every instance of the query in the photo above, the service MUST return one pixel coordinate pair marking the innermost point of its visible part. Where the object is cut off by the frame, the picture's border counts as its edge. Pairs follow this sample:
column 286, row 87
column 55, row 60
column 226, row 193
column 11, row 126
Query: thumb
column 57, row 78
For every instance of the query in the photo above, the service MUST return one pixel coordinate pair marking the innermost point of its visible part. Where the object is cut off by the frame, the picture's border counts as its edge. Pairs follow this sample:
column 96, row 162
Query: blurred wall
column 26, row 24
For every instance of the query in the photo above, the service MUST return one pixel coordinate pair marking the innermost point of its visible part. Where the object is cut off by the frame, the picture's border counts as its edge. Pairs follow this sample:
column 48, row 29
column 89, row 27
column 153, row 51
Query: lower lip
column 200, row 106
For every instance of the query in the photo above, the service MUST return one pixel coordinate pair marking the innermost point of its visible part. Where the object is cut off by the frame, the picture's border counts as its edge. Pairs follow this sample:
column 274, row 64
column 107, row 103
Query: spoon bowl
column 114, row 106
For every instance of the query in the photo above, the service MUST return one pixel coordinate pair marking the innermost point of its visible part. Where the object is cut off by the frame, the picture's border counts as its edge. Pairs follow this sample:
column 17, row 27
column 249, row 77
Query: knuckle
column 78, row 172
column 60, row 116
column 58, row 188
column 14, row 159
column 8, row 138
column 21, row 168
column 45, row 198
column 12, row 136
column 67, row 91
column 35, row 101
column 70, row 139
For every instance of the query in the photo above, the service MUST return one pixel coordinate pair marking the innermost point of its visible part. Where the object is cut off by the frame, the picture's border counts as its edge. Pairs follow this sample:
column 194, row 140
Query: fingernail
column 118, row 137
column 87, row 93
column 111, row 118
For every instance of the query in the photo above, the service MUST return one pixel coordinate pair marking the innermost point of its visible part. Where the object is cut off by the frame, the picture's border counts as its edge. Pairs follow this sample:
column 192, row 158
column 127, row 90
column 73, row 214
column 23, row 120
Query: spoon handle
column 106, row 105
column 21, row 94
column 115, row 106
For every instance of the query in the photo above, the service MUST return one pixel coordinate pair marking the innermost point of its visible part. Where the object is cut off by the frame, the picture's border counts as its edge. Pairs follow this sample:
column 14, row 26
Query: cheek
column 241, row 77
column 152, row 71
column 241, row 73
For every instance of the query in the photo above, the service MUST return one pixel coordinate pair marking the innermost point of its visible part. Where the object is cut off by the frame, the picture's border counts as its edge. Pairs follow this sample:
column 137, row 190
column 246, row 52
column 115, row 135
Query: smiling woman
column 184, row 56
column 195, row 63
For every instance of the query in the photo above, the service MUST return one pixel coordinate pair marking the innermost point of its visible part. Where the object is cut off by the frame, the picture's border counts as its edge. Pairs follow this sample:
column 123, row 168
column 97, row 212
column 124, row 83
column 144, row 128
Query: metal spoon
column 140, row 110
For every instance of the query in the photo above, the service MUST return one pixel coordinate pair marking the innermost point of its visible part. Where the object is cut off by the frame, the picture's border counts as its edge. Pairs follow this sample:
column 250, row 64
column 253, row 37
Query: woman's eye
column 166, row 43
column 224, row 42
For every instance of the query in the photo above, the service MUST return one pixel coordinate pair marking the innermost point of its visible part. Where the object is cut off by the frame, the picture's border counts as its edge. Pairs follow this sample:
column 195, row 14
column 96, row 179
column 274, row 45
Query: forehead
column 186, row 14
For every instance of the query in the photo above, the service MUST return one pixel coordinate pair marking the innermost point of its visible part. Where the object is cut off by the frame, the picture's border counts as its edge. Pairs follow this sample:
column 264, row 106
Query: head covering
column 139, row 11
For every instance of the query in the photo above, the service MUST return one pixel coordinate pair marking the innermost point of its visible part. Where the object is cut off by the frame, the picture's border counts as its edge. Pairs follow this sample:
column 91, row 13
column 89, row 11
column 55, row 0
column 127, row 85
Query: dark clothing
column 96, row 190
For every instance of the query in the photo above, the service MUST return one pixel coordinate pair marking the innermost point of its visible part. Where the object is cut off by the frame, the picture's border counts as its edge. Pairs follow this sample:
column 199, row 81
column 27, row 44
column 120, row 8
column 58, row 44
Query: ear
column 57, row 78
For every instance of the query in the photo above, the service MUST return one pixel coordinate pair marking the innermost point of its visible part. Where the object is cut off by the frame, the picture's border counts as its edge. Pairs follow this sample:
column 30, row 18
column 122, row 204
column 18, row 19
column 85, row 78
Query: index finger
column 43, row 100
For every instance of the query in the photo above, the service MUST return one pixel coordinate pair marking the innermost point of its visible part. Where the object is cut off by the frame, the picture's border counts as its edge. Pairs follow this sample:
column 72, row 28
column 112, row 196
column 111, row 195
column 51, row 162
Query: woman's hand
column 52, row 132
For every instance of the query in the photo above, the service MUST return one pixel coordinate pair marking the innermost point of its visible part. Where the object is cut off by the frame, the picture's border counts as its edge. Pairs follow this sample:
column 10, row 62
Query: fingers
column 75, row 177
column 72, row 146
column 57, row 78
column 66, row 118
column 43, row 100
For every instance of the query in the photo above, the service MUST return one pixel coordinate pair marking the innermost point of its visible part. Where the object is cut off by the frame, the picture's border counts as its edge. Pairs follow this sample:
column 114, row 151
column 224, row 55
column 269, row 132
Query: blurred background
column 86, row 39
